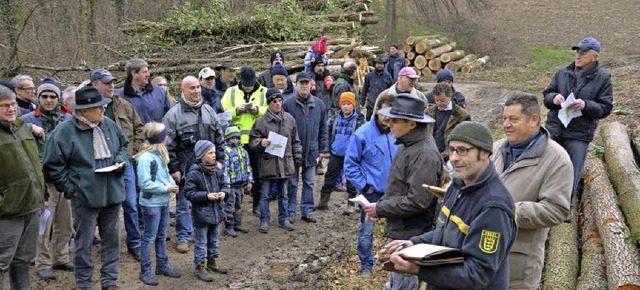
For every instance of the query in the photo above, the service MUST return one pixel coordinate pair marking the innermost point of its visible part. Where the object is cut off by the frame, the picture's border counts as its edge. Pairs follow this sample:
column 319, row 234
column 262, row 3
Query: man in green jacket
column 22, row 194
column 86, row 159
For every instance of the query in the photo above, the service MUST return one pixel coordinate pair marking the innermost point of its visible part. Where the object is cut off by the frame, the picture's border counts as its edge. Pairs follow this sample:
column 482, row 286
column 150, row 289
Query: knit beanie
column 278, row 69
column 444, row 75
column 348, row 97
column 202, row 147
column 319, row 60
column 232, row 131
column 48, row 84
column 276, row 54
column 272, row 94
column 473, row 133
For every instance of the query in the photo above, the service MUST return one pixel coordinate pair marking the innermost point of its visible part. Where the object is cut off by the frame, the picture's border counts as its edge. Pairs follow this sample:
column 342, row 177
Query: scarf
column 100, row 147
column 277, row 117
column 193, row 105
column 49, row 119
column 206, row 168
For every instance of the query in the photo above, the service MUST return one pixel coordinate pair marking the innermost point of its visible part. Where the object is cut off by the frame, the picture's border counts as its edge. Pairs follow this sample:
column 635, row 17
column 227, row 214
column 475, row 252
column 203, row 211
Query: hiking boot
column 46, row 275
column 203, row 273
column 168, row 271
column 238, row 224
column 324, row 201
column 341, row 188
column 264, row 228
column 309, row 219
column 213, row 264
column 148, row 279
column 365, row 273
column 286, row 225
column 135, row 253
column 320, row 170
column 182, row 247
column 348, row 211
column 292, row 219
column 229, row 231
column 68, row 266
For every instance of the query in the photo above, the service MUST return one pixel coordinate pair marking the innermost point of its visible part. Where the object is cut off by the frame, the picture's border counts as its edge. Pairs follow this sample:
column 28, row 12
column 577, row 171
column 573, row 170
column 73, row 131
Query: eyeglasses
column 460, row 150
column 48, row 96
column 33, row 89
column 7, row 106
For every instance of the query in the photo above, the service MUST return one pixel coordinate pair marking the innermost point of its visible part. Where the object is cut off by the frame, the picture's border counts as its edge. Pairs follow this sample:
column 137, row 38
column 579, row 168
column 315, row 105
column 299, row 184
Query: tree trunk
column 407, row 48
column 470, row 67
column 561, row 266
column 9, row 14
column 426, row 71
column 120, row 11
column 624, row 172
column 622, row 259
column 370, row 20
column 429, row 43
column 435, row 64
column 593, row 274
column 391, row 20
column 412, row 40
column 411, row 56
column 435, row 52
column 636, row 140
column 452, row 66
column 452, row 56
column 420, row 62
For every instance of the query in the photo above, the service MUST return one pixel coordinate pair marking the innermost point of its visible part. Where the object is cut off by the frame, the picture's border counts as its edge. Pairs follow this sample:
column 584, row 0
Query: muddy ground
column 298, row 259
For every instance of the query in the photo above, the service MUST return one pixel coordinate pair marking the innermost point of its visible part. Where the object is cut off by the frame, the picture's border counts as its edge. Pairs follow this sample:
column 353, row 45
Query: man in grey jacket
column 538, row 173
column 409, row 210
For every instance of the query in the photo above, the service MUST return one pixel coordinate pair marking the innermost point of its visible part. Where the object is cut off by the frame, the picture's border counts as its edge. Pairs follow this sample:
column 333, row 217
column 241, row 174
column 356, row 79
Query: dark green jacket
column 69, row 163
column 22, row 187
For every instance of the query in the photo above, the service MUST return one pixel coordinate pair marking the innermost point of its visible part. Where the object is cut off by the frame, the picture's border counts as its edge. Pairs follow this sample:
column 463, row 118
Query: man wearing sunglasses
column 539, row 174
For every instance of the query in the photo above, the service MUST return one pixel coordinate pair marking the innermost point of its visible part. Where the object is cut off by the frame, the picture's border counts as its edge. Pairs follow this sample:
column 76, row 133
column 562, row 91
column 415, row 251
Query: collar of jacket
column 536, row 149
column 186, row 108
column 222, row 86
column 5, row 125
column 346, row 78
column 308, row 102
column 487, row 175
column 129, row 91
column 416, row 135
column 382, row 129
column 589, row 73
column 81, row 126
column 289, row 88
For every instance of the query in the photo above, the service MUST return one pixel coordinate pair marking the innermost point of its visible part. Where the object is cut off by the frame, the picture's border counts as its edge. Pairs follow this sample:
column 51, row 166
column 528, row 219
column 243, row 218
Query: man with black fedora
column 409, row 210
column 86, row 159
column 375, row 83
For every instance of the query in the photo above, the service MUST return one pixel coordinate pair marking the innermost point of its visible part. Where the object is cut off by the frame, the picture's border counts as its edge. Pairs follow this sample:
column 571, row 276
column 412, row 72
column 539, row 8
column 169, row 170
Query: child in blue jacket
column 238, row 168
column 206, row 186
column 156, row 187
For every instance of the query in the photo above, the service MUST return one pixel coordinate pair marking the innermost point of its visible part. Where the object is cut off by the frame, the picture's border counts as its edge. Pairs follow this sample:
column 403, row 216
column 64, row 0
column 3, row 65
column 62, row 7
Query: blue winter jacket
column 153, row 178
column 212, row 97
column 368, row 158
column 307, row 60
column 150, row 102
column 394, row 65
column 480, row 220
column 340, row 131
column 196, row 188
column 237, row 165
column 312, row 127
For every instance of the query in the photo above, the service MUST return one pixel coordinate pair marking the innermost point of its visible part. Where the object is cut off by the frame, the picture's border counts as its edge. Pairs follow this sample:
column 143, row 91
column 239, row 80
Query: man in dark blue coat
column 149, row 100
column 311, row 119
column 591, row 86
column 375, row 83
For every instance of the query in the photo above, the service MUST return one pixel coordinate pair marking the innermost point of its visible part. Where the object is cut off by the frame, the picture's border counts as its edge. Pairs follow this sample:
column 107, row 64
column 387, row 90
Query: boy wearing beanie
column 485, row 225
column 341, row 127
column 206, row 187
column 238, row 168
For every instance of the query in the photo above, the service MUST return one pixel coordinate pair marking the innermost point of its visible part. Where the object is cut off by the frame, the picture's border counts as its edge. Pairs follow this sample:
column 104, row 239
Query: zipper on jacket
column 389, row 147
column 379, row 149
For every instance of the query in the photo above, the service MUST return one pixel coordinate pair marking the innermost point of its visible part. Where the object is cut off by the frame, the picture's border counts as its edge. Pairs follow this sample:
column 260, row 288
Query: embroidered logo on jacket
column 489, row 241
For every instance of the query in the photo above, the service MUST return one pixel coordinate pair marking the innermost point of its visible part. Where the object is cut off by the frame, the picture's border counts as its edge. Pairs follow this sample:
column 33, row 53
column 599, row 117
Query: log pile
column 431, row 53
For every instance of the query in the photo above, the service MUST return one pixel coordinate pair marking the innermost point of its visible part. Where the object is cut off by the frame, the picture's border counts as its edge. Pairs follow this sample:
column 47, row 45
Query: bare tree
column 391, row 20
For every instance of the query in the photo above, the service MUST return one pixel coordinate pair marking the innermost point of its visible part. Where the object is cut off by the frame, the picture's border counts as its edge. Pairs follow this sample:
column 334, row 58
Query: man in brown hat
column 409, row 210
column 226, row 78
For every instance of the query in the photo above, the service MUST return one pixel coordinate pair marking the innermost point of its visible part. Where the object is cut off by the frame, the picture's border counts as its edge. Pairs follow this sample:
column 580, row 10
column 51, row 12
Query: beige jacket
column 392, row 91
column 540, row 181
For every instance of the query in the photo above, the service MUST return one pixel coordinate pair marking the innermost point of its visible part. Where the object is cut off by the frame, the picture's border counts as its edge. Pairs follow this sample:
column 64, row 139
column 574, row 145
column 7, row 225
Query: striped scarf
column 100, row 147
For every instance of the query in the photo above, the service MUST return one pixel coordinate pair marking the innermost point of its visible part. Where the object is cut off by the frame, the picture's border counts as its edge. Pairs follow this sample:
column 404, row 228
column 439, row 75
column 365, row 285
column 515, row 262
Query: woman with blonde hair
column 164, row 84
column 156, row 187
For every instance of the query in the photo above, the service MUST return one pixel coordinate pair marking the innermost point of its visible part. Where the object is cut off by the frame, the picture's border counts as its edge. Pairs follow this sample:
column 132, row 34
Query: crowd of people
column 76, row 158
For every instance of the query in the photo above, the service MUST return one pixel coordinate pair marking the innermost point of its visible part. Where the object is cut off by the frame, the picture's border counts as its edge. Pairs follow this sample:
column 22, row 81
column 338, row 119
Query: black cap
column 8, row 85
column 303, row 77
column 247, row 76
column 272, row 94
column 380, row 59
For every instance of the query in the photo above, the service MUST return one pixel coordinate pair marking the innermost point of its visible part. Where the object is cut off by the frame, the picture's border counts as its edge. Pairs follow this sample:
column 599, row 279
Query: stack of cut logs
column 607, row 233
column 429, row 54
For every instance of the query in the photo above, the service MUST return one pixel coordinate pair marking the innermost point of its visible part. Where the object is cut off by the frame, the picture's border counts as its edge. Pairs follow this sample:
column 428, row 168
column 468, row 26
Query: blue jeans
column 156, row 219
column 265, row 193
column 306, row 200
column 184, row 223
column 365, row 235
column 205, row 244
column 577, row 151
column 108, row 221
column 130, row 209
column 18, row 236
column 233, row 204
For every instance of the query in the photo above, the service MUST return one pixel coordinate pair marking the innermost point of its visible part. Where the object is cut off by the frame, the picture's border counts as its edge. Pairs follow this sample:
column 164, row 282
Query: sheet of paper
column 566, row 114
column 360, row 200
column 109, row 168
column 224, row 117
column 422, row 250
column 278, row 144
column 42, row 225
